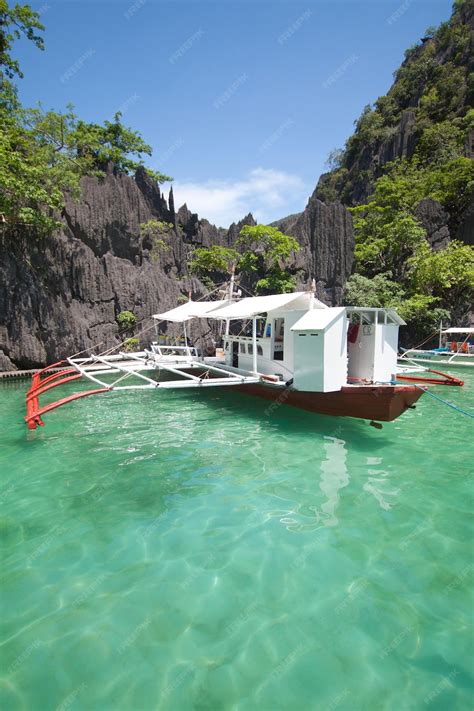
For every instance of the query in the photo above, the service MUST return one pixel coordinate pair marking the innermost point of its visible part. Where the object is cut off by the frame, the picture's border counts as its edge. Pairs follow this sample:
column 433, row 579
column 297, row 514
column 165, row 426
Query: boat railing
column 162, row 350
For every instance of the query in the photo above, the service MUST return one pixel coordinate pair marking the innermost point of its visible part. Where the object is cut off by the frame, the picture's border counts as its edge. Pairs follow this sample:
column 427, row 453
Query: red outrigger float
column 337, row 361
column 40, row 386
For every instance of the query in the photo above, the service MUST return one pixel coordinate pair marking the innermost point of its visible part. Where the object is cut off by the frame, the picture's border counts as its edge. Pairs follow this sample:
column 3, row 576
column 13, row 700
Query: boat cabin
column 294, row 338
column 320, row 349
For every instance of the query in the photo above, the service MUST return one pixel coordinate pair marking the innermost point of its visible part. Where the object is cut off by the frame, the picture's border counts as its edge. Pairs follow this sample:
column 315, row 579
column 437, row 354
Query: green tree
column 215, row 260
column 447, row 274
column 113, row 142
column 16, row 22
column 379, row 291
column 44, row 154
column 385, row 239
column 265, row 255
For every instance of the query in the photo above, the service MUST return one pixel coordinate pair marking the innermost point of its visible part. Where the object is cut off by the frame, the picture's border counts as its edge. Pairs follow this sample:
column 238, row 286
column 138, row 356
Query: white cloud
column 267, row 194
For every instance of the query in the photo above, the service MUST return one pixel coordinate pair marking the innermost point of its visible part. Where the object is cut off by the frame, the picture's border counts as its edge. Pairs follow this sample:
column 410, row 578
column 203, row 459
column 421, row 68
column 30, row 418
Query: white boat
column 455, row 349
column 288, row 348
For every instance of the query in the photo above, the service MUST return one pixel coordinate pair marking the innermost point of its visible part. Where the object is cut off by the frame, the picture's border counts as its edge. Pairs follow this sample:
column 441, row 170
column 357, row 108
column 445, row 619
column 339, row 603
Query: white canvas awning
column 466, row 330
column 254, row 305
column 318, row 319
column 189, row 310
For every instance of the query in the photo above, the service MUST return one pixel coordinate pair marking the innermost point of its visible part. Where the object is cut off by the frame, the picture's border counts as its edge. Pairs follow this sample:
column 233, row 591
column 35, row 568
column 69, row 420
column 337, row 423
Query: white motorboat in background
column 455, row 349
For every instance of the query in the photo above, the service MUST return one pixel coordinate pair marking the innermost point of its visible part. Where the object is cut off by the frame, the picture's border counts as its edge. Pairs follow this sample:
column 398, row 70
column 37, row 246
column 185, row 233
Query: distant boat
column 456, row 349
column 290, row 349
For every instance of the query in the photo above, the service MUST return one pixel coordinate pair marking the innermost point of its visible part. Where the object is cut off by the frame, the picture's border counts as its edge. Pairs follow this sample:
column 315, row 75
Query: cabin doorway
column 278, row 342
column 235, row 354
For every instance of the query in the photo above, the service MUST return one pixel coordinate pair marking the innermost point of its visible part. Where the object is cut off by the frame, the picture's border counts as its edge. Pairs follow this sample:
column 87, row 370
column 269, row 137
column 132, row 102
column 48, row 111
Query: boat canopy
column 255, row 305
column 189, row 310
column 459, row 330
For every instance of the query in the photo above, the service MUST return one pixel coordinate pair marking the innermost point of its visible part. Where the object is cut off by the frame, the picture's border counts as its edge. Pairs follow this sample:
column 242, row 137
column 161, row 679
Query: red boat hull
column 382, row 403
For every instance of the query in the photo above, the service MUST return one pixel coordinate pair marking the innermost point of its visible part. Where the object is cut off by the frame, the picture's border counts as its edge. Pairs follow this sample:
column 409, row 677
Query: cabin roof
column 366, row 309
column 318, row 319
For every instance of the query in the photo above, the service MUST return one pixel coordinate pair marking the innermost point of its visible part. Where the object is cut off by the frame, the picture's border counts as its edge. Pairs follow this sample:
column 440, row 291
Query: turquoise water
column 196, row 551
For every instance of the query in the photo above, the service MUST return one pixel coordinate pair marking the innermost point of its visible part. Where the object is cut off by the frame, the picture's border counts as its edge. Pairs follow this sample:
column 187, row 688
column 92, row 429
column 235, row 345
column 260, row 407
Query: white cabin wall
column 386, row 352
column 335, row 356
column 291, row 317
column 309, row 367
column 321, row 357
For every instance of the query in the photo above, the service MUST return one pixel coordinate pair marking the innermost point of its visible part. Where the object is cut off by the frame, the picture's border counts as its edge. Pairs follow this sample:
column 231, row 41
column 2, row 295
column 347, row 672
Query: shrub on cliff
column 126, row 320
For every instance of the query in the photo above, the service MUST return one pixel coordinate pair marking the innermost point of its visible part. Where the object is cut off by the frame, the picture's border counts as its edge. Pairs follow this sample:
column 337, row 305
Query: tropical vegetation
column 394, row 264
column 44, row 154
column 262, row 255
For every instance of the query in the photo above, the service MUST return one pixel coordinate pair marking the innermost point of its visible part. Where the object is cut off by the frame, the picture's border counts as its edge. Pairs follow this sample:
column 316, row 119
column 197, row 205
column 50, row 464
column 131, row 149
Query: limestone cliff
column 327, row 239
column 62, row 295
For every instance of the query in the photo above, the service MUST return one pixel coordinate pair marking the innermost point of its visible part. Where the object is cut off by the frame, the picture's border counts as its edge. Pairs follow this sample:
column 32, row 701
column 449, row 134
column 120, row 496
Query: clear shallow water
column 192, row 551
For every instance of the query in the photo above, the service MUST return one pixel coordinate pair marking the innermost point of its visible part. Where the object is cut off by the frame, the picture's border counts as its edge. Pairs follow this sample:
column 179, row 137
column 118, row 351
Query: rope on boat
column 445, row 402
column 137, row 325
column 422, row 343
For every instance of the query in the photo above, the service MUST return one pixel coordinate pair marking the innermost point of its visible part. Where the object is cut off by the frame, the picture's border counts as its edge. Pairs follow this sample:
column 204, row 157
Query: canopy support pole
column 254, row 343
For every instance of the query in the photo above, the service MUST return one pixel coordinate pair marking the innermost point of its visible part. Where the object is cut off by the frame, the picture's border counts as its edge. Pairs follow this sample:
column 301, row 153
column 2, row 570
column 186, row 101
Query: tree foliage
column 447, row 274
column 262, row 254
column 16, row 22
column 265, row 255
column 44, row 154
column 215, row 260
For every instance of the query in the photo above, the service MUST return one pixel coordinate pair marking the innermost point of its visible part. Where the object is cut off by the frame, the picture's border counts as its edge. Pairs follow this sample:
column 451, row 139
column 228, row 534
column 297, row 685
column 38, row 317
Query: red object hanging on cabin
column 353, row 332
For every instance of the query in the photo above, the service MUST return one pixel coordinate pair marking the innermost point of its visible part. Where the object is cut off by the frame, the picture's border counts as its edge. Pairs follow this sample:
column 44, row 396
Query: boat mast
column 440, row 332
column 230, row 295
column 184, row 324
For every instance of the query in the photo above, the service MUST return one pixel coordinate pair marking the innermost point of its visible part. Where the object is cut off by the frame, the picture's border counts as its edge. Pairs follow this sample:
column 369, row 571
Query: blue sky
column 242, row 100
